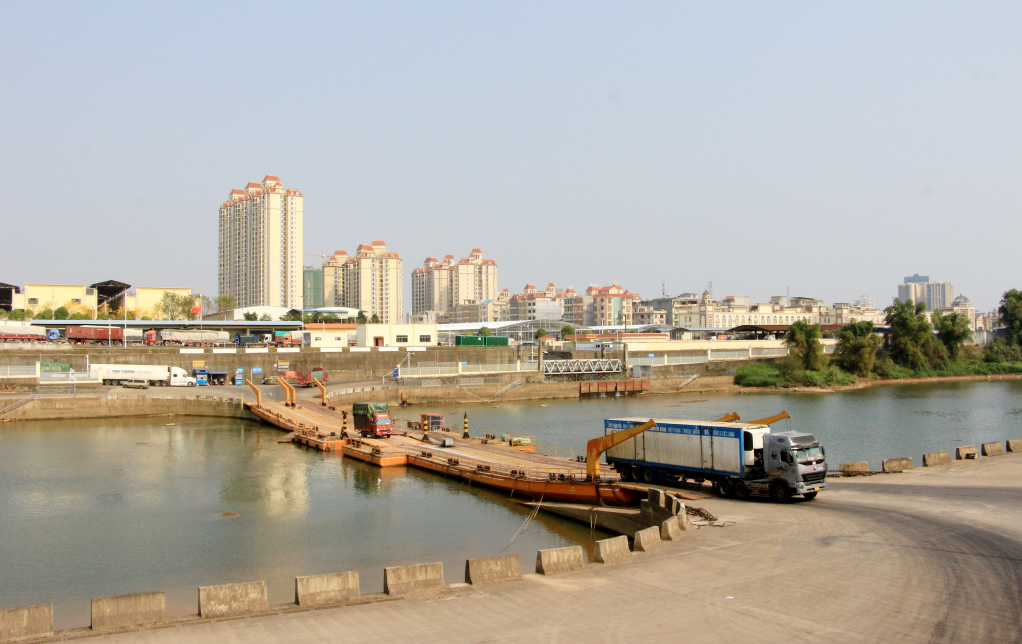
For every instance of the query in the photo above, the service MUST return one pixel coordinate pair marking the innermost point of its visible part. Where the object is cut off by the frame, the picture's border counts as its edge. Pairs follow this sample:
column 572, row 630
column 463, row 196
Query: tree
column 485, row 332
column 45, row 314
column 265, row 317
column 16, row 314
column 224, row 303
column 857, row 346
column 953, row 330
column 361, row 319
column 911, row 342
column 540, row 333
column 250, row 317
column 375, row 319
column 567, row 330
column 294, row 315
column 61, row 313
column 78, row 316
column 804, row 347
column 1010, row 311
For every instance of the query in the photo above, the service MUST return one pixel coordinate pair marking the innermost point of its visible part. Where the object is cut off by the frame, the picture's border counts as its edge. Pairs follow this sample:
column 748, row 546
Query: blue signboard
column 395, row 372
column 256, row 371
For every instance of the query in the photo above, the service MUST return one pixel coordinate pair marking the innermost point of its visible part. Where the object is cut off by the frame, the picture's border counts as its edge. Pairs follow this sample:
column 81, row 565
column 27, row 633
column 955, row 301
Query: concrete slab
column 898, row 464
column 492, row 570
column 670, row 530
column 405, row 579
column 646, row 540
column 560, row 560
column 1013, row 445
column 936, row 458
column 327, row 590
column 26, row 622
column 129, row 610
column 854, row 467
column 966, row 452
column 611, row 550
column 232, row 599
column 992, row 449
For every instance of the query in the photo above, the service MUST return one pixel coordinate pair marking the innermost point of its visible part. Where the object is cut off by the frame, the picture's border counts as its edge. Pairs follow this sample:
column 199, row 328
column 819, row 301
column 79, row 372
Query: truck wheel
column 648, row 475
column 721, row 489
column 626, row 473
column 741, row 490
column 780, row 492
column 809, row 496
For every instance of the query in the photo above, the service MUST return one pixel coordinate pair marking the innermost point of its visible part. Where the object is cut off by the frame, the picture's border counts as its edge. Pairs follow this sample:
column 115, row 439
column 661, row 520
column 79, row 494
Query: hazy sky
column 830, row 147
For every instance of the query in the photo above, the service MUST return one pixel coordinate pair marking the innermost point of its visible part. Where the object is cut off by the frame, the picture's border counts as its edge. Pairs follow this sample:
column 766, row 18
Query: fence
column 353, row 390
column 17, row 371
column 457, row 369
column 666, row 360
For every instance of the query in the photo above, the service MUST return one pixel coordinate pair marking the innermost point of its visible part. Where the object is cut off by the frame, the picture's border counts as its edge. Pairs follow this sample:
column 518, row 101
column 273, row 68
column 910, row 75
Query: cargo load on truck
column 18, row 333
column 103, row 335
column 372, row 419
column 186, row 338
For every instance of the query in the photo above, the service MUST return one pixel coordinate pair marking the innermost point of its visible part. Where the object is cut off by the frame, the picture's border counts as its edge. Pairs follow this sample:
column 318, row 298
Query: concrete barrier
column 327, row 590
column 406, row 579
column 492, row 570
column 898, row 464
column 1013, row 445
column 966, row 451
column 936, row 458
column 558, row 560
column 232, row 599
column 854, row 467
column 26, row 622
column 992, row 449
column 648, row 539
column 670, row 530
column 611, row 550
column 129, row 610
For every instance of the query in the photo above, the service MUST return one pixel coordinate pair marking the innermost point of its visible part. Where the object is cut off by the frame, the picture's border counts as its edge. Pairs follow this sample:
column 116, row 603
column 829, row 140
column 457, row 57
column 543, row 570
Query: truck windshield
column 805, row 455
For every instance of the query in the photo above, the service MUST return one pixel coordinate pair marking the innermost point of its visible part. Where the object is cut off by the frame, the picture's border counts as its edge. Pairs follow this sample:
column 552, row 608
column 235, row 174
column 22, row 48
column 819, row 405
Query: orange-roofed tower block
column 447, row 287
column 260, row 248
column 371, row 280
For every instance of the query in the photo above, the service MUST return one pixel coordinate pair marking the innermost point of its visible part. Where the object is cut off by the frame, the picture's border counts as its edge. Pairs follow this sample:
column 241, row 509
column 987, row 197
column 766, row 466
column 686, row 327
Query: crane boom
column 770, row 419
column 733, row 417
column 597, row 446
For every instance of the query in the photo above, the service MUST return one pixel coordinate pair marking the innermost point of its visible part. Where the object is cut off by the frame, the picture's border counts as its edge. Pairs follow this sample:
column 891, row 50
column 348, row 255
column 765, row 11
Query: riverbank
column 126, row 405
column 876, row 382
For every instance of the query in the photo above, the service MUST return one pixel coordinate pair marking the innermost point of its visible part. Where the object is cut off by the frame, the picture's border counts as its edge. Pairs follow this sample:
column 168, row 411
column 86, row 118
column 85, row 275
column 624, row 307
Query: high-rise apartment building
column 936, row 295
column 371, row 281
column 260, row 248
column 312, row 287
column 445, row 286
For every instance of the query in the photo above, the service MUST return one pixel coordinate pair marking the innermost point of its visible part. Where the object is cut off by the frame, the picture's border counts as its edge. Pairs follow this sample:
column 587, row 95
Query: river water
column 92, row 508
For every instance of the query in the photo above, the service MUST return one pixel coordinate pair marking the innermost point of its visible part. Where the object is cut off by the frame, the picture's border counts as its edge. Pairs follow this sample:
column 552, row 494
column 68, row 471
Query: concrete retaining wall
column 992, row 449
column 120, row 404
column 1014, row 445
column 648, row 539
column 129, row 610
column 611, row 550
column 966, row 451
column 492, row 570
column 232, row 599
column 406, row 579
column 327, row 590
column 936, row 458
column 854, row 467
column 26, row 622
column 670, row 530
column 898, row 464
column 558, row 560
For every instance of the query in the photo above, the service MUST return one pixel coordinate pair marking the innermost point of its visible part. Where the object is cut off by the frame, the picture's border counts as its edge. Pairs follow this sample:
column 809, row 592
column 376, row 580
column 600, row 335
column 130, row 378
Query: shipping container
column 496, row 341
column 469, row 341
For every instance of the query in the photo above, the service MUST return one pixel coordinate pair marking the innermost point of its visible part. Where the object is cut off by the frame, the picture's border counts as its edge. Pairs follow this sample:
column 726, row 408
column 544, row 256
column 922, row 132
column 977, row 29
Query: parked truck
column 102, row 335
column 18, row 333
column 306, row 379
column 372, row 419
column 155, row 375
column 186, row 338
column 740, row 459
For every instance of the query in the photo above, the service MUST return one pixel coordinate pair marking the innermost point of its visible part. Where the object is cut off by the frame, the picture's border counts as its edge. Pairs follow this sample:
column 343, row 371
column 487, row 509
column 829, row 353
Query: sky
column 822, row 149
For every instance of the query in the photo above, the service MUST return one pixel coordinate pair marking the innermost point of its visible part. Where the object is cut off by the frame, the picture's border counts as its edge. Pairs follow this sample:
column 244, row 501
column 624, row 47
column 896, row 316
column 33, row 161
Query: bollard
column 344, row 424
column 465, row 435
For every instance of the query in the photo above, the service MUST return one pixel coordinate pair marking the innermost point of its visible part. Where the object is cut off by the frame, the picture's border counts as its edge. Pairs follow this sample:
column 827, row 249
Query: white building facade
column 371, row 281
column 445, row 286
column 260, row 249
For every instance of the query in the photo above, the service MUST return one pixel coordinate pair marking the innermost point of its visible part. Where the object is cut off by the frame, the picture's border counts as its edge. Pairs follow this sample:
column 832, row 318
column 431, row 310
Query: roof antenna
column 663, row 289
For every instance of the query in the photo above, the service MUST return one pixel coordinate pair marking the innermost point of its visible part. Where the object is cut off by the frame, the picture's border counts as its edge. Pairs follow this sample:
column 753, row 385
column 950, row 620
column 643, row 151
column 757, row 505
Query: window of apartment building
column 401, row 339
column 425, row 338
column 33, row 300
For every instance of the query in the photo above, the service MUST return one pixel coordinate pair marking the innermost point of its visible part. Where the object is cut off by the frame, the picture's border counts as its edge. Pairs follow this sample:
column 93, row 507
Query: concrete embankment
column 120, row 405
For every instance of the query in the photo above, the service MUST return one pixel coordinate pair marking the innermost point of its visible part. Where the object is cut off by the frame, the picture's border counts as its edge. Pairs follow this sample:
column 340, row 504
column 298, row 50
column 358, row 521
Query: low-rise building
column 396, row 335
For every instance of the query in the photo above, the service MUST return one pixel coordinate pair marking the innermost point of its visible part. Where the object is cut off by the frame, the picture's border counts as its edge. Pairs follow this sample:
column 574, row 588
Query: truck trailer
column 103, row 335
column 155, row 375
column 372, row 419
column 186, row 338
column 18, row 333
column 739, row 459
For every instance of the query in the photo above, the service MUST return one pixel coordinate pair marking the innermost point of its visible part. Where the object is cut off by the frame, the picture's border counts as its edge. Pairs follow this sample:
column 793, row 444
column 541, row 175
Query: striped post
column 465, row 435
column 344, row 424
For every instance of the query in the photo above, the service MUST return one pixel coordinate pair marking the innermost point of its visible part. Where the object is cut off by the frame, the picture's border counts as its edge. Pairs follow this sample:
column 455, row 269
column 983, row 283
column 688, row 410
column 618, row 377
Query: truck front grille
column 814, row 477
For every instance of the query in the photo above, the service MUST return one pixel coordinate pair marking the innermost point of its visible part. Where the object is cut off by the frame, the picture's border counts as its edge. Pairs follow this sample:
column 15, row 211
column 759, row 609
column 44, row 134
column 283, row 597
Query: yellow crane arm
column 770, row 419
column 287, row 391
column 733, row 417
column 598, row 446
column 322, row 390
column 259, row 394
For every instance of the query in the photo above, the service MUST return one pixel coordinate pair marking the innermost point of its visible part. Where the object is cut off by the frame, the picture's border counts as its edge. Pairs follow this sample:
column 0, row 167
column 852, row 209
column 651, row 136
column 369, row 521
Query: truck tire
column 648, row 475
column 626, row 473
column 780, row 492
column 721, row 489
column 741, row 490
column 809, row 496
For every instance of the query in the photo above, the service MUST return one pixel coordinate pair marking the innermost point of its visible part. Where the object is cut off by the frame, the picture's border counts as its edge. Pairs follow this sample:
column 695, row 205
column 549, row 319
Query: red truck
column 306, row 379
column 372, row 419
column 103, row 335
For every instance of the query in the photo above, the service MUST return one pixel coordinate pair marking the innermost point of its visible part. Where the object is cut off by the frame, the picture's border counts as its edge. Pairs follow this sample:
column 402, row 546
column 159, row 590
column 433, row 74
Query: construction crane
column 733, row 417
column 770, row 419
column 597, row 446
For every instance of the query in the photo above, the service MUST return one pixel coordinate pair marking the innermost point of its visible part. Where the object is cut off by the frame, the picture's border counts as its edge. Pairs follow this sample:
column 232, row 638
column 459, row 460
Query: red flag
column 197, row 309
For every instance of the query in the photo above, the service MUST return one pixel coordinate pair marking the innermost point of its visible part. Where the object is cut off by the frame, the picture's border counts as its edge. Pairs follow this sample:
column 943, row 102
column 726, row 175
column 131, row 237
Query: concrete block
column 558, row 560
column 232, row 599
column 648, row 539
column 966, row 451
column 1014, row 445
column 854, row 467
column 492, row 570
column 684, row 521
column 611, row 550
column 327, row 590
column 898, row 464
column 992, row 449
column 670, row 530
column 406, row 579
column 656, row 497
column 936, row 458
column 26, row 622
column 129, row 610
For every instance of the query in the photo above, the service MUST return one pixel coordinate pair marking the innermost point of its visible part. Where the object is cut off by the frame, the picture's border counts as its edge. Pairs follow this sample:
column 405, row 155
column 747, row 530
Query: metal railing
column 596, row 365
column 20, row 403
column 668, row 360
column 17, row 371
column 404, row 372
column 779, row 351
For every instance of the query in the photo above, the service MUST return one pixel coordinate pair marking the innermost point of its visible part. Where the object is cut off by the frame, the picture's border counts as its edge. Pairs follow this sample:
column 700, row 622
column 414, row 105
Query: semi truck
column 155, row 375
column 188, row 338
column 18, row 333
column 102, row 335
column 739, row 459
column 372, row 419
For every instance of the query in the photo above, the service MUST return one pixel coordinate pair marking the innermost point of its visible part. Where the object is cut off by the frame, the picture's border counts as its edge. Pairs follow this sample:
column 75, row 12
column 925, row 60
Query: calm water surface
column 101, row 507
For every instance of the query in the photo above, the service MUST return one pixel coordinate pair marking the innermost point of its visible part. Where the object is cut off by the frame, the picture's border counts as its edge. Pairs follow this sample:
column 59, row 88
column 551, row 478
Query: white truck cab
column 180, row 378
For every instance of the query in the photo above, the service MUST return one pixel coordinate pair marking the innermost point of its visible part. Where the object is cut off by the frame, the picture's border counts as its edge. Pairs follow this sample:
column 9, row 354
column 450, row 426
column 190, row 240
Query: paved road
column 927, row 556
